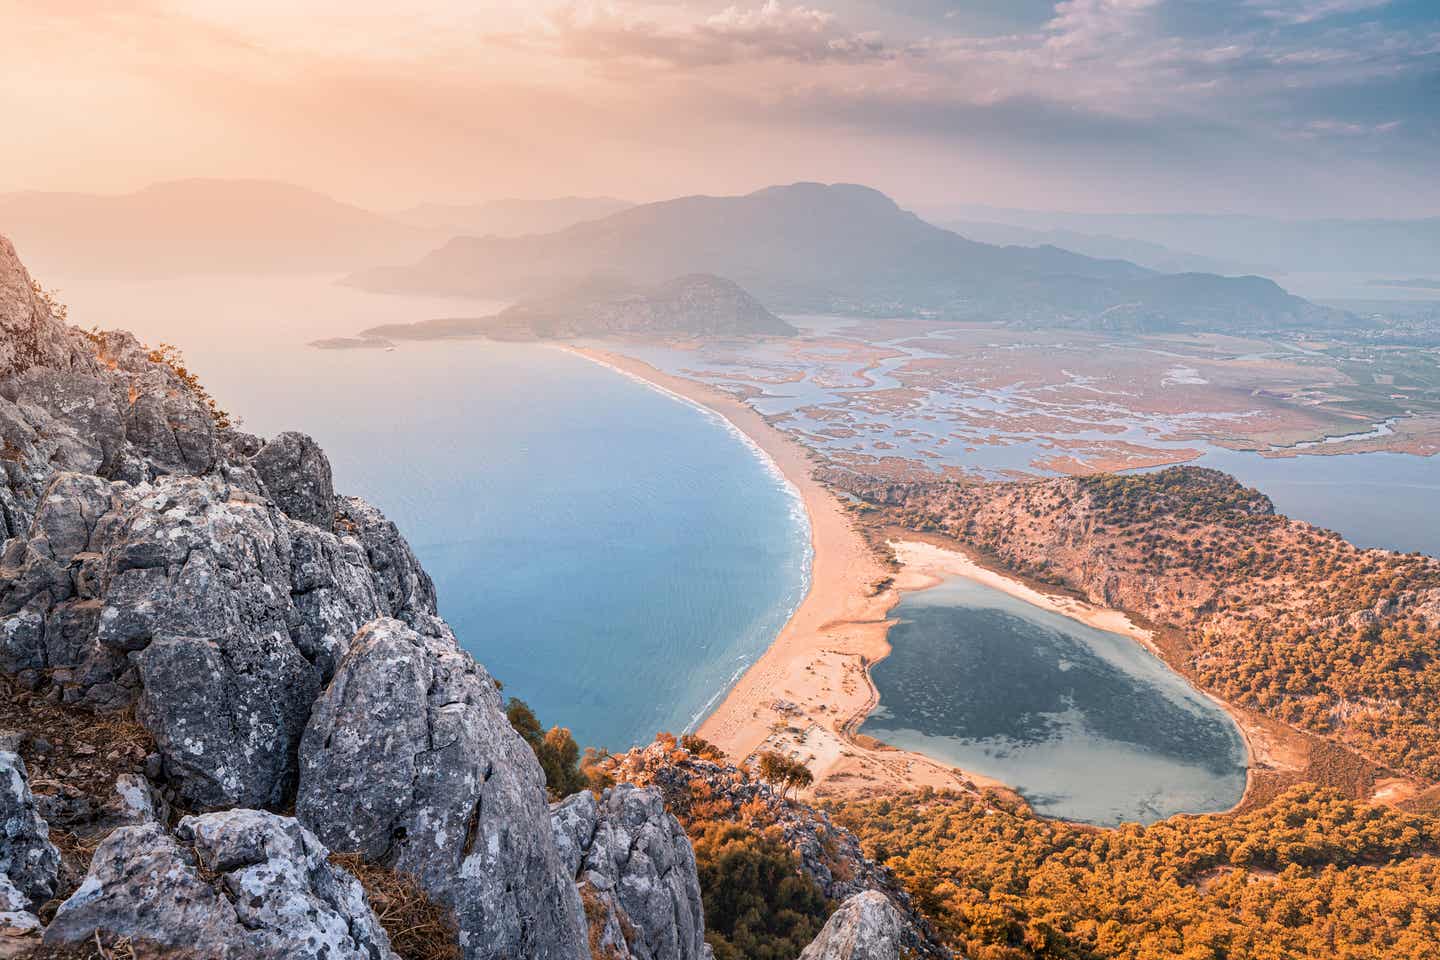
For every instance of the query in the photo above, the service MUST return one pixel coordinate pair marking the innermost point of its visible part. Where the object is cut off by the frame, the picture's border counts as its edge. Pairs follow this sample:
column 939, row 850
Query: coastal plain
column 811, row 690
column 903, row 399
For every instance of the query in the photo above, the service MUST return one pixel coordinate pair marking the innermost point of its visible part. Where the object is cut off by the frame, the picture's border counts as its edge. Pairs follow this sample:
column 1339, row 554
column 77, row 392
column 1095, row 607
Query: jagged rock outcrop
column 410, row 761
column 829, row 854
column 236, row 884
column 29, row 862
column 865, row 927
column 636, row 870
column 156, row 557
column 296, row 474
column 29, row 335
column 277, row 642
column 202, row 602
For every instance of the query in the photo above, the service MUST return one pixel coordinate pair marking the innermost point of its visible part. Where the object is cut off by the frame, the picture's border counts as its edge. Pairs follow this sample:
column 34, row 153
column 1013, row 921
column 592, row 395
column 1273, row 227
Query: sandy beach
column 810, row 690
column 811, row 686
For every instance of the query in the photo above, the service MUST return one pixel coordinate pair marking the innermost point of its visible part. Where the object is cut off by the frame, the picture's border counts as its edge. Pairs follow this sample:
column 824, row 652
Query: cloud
column 1309, row 11
column 1343, row 128
column 773, row 32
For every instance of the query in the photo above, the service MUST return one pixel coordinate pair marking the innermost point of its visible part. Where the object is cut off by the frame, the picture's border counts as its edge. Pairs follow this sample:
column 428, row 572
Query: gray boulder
column 202, row 603
column 29, row 862
column 636, row 872
column 865, row 927
column 238, row 884
column 409, row 760
column 296, row 474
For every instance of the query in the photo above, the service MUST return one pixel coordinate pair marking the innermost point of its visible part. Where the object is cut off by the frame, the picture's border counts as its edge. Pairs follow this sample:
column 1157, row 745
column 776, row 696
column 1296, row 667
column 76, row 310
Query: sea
column 614, row 554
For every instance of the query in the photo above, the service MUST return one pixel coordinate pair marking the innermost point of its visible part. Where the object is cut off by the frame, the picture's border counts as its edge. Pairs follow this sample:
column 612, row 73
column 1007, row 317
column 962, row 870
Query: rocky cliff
column 235, row 680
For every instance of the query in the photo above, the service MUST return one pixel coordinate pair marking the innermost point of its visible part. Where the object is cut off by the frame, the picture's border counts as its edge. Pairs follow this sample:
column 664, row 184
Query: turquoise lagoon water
column 1086, row 724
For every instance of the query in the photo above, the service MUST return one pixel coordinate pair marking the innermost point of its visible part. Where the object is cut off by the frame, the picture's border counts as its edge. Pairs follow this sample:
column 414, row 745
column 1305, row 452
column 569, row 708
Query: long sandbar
column 810, row 690
column 811, row 686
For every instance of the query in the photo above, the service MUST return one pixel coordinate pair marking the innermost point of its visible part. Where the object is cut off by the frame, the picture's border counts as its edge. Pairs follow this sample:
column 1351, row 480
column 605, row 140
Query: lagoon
column 1086, row 724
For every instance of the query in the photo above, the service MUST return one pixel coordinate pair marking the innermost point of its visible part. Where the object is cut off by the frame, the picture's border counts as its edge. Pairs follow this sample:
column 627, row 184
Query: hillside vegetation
column 1310, row 875
column 1272, row 613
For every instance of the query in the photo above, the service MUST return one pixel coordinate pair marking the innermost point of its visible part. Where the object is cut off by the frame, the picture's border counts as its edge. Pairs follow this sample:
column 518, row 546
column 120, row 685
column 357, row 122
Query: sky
column 1281, row 107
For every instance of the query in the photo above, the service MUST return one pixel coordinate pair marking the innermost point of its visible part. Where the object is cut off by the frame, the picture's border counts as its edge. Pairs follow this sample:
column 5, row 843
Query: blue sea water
column 614, row 555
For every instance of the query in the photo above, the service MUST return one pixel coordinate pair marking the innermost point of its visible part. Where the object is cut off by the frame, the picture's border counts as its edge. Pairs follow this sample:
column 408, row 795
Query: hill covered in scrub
column 697, row 305
column 1269, row 613
column 1309, row 875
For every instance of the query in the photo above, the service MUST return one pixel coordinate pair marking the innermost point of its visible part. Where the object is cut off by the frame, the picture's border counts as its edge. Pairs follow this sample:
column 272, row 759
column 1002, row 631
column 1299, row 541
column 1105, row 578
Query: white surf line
column 798, row 510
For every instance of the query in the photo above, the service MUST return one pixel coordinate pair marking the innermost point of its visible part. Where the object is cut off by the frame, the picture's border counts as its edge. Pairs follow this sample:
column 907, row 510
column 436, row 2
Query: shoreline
column 939, row 561
column 811, row 685
column 808, row 693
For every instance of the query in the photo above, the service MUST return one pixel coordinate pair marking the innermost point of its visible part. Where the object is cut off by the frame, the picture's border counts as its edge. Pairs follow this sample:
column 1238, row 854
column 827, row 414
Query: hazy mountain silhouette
column 1363, row 246
column 203, row 226
column 845, row 248
column 510, row 217
column 1152, row 256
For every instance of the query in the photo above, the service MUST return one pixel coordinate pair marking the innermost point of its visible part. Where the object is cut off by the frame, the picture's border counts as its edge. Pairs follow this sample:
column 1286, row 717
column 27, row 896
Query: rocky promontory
column 696, row 305
column 244, row 708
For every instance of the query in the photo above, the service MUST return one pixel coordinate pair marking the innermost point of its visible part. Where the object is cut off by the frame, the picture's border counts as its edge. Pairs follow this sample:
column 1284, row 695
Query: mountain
column 843, row 248
column 1152, row 256
column 203, row 226
column 697, row 305
column 1393, row 247
column 510, row 217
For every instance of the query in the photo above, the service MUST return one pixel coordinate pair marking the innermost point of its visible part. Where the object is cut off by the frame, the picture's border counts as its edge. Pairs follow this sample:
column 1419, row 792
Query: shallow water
column 1086, row 724
column 1373, row 499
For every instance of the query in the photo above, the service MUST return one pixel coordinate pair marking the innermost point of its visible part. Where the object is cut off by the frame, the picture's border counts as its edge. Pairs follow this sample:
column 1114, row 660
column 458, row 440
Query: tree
column 778, row 770
column 556, row 749
column 758, row 904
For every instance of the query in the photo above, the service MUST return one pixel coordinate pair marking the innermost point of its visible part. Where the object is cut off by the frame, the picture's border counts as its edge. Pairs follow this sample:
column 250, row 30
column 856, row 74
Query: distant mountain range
column 695, row 305
column 1393, row 247
column 1152, row 256
column 510, row 217
column 249, row 226
column 811, row 247
column 203, row 226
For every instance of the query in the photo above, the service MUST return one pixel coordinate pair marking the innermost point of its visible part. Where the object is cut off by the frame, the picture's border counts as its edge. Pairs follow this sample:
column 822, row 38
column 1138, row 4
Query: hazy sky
column 1302, row 107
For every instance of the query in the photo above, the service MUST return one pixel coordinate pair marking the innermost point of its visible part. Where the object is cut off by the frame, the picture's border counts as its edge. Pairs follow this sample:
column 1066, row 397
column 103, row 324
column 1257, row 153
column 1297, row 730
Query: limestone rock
column 207, row 606
column 296, row 474
column 409, row 760
column 238, row 884
column 633, row 860
column 29, row 334
column 865, row 927
column 29, row 862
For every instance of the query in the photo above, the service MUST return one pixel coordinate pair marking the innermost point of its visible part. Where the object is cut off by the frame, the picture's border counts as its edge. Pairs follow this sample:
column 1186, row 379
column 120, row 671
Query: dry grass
column 73, row 756
column 111, row 948
column 418, row 927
